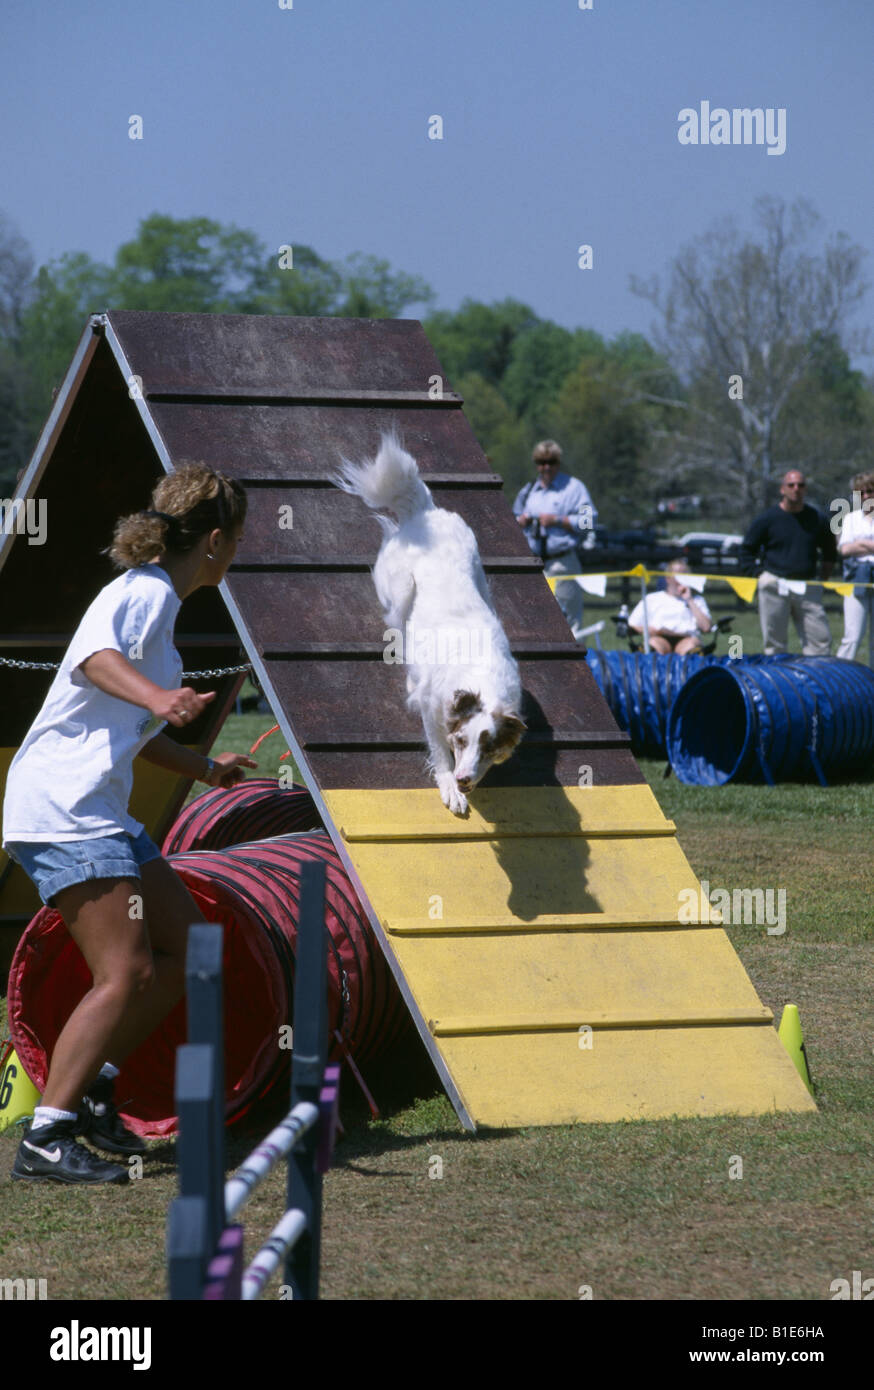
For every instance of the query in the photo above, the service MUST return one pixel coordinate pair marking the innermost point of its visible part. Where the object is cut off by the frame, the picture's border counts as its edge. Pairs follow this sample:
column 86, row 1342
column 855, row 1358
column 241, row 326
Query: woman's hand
column 179, row 707
column 228, row 770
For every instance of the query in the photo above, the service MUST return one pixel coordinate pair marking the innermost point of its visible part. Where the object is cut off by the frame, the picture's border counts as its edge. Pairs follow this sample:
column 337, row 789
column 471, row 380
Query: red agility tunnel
column 251, row 810
column 253, row 891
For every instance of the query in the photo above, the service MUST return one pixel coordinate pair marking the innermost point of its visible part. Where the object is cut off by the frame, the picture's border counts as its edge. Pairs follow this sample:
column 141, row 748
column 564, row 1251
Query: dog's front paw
column 450, row 795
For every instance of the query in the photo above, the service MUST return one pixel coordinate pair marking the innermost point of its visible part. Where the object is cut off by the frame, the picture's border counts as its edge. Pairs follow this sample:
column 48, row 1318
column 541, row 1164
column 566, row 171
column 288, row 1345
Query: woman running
column 66, row 818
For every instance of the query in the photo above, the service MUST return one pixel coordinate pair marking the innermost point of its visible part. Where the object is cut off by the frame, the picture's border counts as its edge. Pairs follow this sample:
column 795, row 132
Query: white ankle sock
column 47, row 1115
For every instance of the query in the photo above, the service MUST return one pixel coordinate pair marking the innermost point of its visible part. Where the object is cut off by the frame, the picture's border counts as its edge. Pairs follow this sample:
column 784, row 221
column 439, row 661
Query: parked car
column 679, row 506
column 616, row 550
column 713, row 550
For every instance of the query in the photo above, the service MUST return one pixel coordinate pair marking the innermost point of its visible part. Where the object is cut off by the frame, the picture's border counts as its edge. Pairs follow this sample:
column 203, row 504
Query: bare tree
column 740, row 321
column 16, row 276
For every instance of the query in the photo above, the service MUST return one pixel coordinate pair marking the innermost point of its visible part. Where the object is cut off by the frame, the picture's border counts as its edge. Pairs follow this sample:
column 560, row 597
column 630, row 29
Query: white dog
column 433, row 590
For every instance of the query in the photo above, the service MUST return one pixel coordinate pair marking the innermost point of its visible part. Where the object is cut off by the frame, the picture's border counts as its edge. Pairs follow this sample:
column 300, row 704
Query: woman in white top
column 857, row 542
column 675, row 616
column 66, row 818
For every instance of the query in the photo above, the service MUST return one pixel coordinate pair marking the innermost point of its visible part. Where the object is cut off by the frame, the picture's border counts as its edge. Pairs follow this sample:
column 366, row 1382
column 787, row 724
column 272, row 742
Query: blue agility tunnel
column 781, row 719
column 640, row 688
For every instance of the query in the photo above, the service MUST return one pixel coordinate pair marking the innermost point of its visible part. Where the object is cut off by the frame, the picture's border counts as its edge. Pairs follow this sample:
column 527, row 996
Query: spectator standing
column 856, row 546
column 675, row 615
column 787, row 538
column 556, row 512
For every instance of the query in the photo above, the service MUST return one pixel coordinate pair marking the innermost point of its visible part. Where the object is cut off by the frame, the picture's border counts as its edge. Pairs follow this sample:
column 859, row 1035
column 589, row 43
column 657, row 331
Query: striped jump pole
column 204, row 1244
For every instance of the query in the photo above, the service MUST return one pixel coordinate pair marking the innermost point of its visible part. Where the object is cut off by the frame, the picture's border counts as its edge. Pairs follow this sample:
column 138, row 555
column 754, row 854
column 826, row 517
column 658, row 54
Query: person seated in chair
column 675, row 615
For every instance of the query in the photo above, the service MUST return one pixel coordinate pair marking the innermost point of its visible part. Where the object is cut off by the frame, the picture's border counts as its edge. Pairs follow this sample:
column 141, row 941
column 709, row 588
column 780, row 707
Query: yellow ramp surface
column 551, row 947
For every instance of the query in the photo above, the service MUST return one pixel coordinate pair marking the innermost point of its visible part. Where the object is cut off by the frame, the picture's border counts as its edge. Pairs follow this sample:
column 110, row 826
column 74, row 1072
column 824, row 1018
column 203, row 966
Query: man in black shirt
column 787, row 538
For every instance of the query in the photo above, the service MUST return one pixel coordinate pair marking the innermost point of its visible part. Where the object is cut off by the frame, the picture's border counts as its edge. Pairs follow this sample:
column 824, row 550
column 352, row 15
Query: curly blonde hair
column 186, row 505
column 863, row 482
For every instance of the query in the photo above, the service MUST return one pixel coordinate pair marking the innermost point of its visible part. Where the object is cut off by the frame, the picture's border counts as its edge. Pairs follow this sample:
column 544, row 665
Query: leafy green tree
column 541, row 357
column 604, row 431
column 826, row 423
column 369, row 288
column 478, row 337
column 310, row 287
column 16, row 271
column 52, row 324
column 194, row 265
column 503, row 437
column 191, row 266
column 15, row 434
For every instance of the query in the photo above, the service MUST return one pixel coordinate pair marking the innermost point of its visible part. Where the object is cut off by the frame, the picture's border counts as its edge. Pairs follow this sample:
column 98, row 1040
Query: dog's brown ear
column 464, row 704
column 509, row 732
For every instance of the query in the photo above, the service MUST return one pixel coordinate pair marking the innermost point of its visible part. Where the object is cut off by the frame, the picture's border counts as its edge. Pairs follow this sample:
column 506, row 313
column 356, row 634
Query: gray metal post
column 187, row 1247
column 201, row 1161
column 206, row 1024
column 307, row 1069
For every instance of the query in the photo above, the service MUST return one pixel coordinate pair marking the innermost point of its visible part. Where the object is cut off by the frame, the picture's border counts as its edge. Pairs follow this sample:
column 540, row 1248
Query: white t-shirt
column 667, row 613
column 858, row 526
column 71, row 778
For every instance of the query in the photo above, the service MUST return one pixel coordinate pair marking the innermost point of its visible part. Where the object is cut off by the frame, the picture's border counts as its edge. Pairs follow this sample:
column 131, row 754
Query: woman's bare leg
column 169, row 911
column 116, row 951
column 138, row 970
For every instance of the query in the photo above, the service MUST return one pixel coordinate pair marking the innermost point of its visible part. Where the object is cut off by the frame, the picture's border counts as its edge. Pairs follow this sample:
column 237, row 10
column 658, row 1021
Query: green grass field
column 633, row 1211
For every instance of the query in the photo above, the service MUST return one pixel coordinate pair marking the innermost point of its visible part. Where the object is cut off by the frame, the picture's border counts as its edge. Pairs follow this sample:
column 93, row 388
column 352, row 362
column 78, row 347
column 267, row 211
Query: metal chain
column 188, row 675
column 222, row 671
column 28, row 665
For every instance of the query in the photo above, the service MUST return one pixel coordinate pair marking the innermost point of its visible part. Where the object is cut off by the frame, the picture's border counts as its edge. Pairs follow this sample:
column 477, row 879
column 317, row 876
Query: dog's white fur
column 431, row 585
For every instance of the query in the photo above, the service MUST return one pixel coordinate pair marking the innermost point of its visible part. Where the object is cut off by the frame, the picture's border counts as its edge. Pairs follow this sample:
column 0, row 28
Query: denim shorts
column 54, row 867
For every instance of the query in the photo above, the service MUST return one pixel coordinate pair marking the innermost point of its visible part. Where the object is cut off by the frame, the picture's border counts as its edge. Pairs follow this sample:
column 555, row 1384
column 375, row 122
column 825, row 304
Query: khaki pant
column 569, row 595
column 855, row 620
column 807, row 612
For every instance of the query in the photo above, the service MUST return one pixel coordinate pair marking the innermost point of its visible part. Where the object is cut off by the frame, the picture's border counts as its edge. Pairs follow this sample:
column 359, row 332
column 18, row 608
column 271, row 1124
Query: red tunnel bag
column 252, row 891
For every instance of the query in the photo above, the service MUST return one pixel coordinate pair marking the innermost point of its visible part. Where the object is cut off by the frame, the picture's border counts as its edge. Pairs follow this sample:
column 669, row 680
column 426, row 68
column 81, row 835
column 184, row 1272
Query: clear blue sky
column 309, row 126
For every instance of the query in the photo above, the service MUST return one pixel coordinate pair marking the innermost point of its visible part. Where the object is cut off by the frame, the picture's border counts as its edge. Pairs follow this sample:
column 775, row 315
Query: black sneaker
column 51, row 1154
column 100, row 1123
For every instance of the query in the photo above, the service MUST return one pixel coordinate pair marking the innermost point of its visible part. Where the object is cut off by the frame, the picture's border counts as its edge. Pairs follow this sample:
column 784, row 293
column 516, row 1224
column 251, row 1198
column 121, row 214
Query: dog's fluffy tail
column 390, row 481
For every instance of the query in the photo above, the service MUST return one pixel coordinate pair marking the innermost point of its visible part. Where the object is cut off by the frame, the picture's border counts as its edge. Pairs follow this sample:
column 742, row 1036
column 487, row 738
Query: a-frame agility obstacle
column 537, row 943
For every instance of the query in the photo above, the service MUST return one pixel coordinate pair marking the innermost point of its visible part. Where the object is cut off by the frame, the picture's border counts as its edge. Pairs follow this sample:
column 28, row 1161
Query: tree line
column 747, row 371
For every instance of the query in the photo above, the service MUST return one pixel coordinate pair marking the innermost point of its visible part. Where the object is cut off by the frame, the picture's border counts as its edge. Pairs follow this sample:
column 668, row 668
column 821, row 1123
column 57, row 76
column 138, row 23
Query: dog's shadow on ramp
column 540, row 842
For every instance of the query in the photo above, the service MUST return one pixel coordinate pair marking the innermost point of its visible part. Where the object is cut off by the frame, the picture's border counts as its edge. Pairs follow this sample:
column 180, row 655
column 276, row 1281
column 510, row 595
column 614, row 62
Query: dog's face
column 479, row 737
